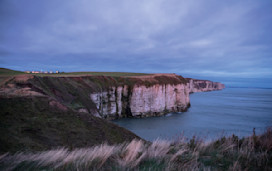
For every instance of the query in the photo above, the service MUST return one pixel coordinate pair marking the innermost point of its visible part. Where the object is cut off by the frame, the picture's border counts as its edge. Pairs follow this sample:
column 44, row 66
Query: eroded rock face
column 141, row 101
column 108, row 103
column 158, row 99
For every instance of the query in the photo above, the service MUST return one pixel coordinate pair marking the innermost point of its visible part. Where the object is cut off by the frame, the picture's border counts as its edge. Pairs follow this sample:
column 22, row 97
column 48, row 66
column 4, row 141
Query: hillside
column 39, row 123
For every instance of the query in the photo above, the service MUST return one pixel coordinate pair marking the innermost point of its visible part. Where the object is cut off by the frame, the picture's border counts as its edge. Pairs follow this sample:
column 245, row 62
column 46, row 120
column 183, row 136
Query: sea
column 238, row 109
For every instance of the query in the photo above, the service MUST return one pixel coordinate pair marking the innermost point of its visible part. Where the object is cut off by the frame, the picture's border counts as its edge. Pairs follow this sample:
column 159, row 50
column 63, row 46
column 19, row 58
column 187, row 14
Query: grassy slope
column 32, row 124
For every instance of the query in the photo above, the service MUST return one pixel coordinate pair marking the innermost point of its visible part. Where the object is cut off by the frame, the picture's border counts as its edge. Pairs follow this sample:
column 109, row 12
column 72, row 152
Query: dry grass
column 252, row 153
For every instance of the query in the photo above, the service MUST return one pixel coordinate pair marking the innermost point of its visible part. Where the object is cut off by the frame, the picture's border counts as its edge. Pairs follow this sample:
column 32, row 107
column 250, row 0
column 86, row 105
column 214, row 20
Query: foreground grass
column 232, row 153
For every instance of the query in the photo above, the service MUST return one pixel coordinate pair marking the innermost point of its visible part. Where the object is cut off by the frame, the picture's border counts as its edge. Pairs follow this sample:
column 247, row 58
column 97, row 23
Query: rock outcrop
column 141, row 100
column 195, row 85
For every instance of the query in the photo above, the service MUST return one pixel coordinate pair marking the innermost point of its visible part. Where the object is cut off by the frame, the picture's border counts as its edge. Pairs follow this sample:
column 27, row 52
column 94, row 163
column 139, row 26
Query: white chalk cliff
column 149, row 100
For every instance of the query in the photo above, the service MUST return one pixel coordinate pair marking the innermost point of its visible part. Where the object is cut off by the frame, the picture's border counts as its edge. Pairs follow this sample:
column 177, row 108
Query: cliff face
column 194, row 85
column 112, row 97
column 142, row 101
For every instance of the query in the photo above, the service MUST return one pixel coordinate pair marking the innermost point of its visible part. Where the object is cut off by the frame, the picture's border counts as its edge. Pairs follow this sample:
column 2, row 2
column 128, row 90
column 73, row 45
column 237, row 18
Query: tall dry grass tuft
column 132, row 154
column 47, row 158
column 232, row 153
column 158, row 149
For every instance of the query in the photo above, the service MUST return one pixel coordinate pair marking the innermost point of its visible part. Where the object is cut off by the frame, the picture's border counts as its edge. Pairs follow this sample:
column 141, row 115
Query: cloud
column 151, row 36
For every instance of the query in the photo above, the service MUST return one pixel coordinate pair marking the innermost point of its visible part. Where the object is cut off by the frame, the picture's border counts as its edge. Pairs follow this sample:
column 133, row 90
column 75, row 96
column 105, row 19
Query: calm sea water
column 211, row 115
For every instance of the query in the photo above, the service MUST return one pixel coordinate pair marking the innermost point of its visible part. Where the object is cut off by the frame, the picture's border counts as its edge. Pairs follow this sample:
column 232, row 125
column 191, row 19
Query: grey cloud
column 210, row 37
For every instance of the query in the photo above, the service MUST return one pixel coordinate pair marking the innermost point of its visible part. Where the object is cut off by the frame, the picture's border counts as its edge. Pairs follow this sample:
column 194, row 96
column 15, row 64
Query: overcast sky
column 191, row 37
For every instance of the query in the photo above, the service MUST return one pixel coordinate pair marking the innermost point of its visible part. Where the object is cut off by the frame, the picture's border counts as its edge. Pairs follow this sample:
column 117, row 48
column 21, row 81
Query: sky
column 201, row 38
